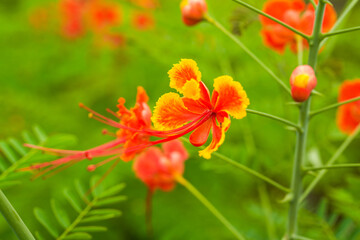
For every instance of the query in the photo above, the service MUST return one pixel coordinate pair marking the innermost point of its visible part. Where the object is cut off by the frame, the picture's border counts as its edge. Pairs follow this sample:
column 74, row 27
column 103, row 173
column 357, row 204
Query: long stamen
column 93, row 167
column 205, row 117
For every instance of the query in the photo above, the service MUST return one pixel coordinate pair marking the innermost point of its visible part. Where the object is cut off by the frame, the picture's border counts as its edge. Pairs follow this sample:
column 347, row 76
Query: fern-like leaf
column 88, row 210
column 13, row 155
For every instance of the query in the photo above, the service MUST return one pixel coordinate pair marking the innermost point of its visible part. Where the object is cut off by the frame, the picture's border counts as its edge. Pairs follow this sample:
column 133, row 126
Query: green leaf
column 99, row 189
column 40, row 134
column 28, row 138
column 5, row 184
column 8, row 152
column 81, row 190
column 71, row 198
column 60, row 214
column 111, row 200
column 78, row 236
column 39, row 236
column 90, row 229
column 98, row 218
column 17, row 146
column 44, row 219
column 105, row 211
column 112, row 191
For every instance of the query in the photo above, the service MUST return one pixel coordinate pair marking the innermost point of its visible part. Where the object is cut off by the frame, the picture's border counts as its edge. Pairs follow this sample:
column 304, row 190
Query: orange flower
column 296, row 14
column 132, row 123
column 302, row 81
column 196, row 111
column 72, row 11
column 193, row 11
column 348, row 115
column 103, row 15
column 158, row 169
column 143, row 21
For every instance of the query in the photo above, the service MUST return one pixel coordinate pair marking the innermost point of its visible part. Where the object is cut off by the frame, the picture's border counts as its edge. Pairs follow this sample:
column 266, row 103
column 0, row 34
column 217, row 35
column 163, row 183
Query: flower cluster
column 76, row 18
column 174, row 116
column 298, row 15
column 348, row 115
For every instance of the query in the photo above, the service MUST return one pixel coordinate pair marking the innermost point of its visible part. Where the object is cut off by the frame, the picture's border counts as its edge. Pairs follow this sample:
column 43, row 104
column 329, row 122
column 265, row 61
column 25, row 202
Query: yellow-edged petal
column 171, row 113
column 218, row 137
column 229, row 96
column 186, row 70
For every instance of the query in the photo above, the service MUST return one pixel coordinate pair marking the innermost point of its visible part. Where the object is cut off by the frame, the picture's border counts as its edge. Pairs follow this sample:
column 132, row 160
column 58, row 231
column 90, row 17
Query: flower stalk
column 301, row 139
column 13, row 219
column 209, row 206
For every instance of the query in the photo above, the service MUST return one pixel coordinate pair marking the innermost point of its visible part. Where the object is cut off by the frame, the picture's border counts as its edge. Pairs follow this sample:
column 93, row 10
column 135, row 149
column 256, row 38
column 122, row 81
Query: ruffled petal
column 218, row 137
column 229, row 96
column 170, row 112
column 183, row 72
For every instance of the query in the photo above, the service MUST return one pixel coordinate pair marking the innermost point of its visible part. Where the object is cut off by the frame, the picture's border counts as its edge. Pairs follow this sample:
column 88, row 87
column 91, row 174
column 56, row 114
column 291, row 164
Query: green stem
column 337, row 166
column 313, row 113
column 336, row 155
column 333, row 33
column 300, row 50
column 247, row 170
column 300, row 148
column 342, row 17
column 252, row 172
column 13, row 219
column 272, row 18
column 251, row 54
column 209, row 206
column 282, row 120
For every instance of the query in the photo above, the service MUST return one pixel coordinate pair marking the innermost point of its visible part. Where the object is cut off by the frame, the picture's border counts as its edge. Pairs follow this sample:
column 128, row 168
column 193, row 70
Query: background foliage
column 43, row 77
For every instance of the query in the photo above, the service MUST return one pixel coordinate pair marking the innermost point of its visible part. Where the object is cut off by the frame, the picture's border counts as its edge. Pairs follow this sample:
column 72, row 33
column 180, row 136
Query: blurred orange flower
column 298, row 15
column 71, row 17
column 142, row 21
column 348, row 115
column 193, row 11
column 158, row 169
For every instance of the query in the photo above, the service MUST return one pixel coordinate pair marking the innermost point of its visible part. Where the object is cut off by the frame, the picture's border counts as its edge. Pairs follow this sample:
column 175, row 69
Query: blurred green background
column 43, row 77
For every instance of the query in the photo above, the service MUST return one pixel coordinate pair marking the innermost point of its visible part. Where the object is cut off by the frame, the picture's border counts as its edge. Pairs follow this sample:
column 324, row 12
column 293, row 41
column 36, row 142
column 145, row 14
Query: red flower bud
column 193, row 11
column 302, row 81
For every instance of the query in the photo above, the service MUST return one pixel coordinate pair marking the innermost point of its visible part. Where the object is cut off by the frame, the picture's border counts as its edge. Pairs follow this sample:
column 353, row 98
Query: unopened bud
column 193, row 11
column 302, row 81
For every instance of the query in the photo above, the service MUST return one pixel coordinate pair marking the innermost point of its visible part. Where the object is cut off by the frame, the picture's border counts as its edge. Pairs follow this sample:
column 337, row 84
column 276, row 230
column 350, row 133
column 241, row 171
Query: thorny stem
column 330, row 107
column 300, row 148
column 272, row 18
column 251, row 54
column 209, row 206
column 13, row 219
column 336, row 155
column 247, row 169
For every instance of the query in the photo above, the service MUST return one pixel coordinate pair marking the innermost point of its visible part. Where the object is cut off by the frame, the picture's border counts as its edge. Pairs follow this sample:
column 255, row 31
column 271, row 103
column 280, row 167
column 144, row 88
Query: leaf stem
column 251, row 54
column 337, row 166
column 336, row 155
column 332, row 106
column 247, row 170
column 346, row 30
column 272, row 18
column 342, row 17
column 13, row 219
column 282, row 120
column 209, row 206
